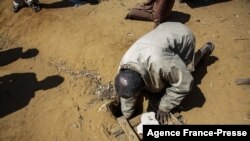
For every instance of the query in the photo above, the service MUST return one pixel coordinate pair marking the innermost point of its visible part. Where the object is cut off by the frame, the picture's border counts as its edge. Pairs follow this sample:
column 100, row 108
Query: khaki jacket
column 164, row 57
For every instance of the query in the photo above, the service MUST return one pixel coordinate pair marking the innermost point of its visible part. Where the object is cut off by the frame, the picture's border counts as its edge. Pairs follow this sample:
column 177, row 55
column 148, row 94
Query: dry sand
column 82, row 46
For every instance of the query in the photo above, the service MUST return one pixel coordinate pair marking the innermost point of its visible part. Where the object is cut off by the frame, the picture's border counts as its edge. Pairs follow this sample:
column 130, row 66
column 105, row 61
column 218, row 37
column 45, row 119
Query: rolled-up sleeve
column 180, row 80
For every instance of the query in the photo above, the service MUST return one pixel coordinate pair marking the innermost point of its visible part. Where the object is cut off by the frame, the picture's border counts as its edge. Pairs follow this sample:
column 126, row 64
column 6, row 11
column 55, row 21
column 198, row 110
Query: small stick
column 241, row 39
column 243, row 81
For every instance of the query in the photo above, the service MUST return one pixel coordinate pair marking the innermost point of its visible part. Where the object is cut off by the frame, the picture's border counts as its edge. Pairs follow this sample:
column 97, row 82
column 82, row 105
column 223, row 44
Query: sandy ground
column 74, row 50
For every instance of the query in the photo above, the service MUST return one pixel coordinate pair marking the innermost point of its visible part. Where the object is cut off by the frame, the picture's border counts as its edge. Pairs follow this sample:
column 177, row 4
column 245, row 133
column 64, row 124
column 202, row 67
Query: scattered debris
column 106, row 91
column 75, row 125
column 236, row 15
column 130, row 34
column 222, row 19
column 203, row 23
column 122, row 4
column 103, row 91
column 107, row 106
column 236, row 57
column 211, row 84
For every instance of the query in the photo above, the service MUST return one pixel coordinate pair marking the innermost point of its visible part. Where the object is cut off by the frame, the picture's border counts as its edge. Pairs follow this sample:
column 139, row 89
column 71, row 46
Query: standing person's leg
column 161, row 10
column 17, row 5
column 34, row 4
column 205, row 51
column 168, row 9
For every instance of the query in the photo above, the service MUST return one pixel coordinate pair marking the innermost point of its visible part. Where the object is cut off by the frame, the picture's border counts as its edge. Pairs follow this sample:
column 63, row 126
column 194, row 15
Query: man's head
column 128, row 83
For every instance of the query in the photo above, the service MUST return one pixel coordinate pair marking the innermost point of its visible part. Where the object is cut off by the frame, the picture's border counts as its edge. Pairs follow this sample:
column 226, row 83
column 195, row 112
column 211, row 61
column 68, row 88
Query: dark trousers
column 153, row 10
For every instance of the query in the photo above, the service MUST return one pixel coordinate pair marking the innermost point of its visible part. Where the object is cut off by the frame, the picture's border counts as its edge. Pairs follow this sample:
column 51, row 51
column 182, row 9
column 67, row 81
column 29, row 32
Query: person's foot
column 203, row 52
column 207, row 49
column 35, row 7
column 16, row 8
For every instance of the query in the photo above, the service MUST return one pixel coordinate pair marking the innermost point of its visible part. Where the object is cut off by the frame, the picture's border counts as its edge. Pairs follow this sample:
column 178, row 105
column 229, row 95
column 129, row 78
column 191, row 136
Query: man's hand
column 162, row 117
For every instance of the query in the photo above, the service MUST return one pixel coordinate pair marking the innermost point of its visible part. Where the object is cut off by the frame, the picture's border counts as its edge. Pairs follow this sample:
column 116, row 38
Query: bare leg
column 203, row 52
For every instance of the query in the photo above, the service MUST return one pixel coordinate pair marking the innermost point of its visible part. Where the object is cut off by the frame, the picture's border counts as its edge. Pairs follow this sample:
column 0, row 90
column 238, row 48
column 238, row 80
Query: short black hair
column 128, row 83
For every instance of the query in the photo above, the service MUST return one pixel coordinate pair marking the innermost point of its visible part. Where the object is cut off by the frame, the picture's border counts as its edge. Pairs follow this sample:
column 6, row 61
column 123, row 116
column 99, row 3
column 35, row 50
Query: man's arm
column 128, row 106
column 180, row 80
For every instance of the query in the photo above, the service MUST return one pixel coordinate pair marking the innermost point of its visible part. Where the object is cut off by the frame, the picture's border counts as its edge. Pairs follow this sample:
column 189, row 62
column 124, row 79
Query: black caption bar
column 155, row 132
